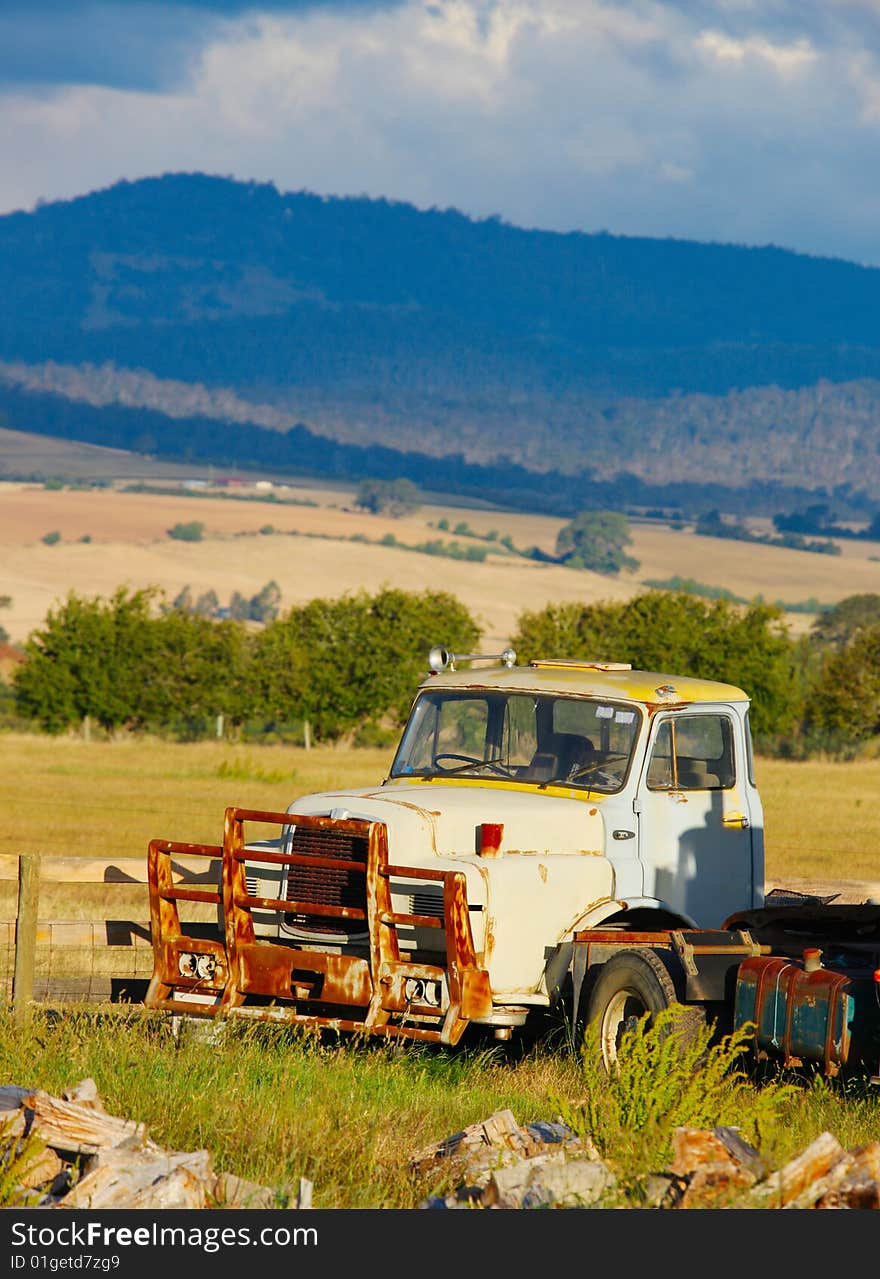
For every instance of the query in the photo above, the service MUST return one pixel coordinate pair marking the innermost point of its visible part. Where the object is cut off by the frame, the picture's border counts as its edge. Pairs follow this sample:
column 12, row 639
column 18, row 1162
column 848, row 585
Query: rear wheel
column 629, row 985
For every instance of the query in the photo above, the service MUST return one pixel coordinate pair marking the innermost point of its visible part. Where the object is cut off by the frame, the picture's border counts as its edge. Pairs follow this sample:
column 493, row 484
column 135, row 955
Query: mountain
column 162, row 313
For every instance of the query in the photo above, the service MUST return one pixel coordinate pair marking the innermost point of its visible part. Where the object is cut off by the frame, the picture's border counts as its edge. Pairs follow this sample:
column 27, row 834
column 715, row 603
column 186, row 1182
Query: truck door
column 694, row 822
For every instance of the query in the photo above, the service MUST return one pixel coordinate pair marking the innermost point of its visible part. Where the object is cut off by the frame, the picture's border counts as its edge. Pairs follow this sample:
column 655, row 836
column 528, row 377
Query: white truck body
column 525, row 804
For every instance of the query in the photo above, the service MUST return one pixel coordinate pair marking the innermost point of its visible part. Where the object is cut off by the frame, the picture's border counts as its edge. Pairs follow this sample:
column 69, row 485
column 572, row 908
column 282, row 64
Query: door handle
column 735, row 819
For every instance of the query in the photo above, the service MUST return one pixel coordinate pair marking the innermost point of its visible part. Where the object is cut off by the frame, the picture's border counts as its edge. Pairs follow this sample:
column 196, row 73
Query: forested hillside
column 371, row 323
column 198, row 440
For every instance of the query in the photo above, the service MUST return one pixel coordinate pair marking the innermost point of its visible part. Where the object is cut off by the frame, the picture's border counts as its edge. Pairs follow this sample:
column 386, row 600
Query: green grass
column 671, row 1074
column 272, row 1105
column 247, row 771
column 19, row 1156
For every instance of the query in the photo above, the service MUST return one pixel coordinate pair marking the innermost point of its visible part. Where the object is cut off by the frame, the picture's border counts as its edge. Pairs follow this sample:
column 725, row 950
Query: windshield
column 542, row 739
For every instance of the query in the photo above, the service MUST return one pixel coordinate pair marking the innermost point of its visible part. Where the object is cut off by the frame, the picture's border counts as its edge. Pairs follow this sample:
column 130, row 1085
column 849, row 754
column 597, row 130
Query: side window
column 660, row 771
column 693, row 752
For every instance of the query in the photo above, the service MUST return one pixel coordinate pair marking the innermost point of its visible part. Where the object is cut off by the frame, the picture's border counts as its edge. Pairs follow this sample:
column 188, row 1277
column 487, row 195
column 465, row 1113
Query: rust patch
column 491, row 835
column 311, row 983
column 489, row 945
column 653, row 707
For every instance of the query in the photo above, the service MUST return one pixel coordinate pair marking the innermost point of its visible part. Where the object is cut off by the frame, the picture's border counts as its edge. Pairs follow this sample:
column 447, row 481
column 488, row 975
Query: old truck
column 561, row 834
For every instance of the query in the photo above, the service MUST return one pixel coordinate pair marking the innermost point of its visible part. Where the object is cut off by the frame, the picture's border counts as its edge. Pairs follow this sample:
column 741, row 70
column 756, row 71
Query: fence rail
column 105, row 957
column 109, row 956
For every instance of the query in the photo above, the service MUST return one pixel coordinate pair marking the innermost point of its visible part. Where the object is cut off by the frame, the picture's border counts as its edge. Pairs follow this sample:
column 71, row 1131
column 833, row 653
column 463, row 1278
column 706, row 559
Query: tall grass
column 273, row 1104
column 670, row 1073
column 20, row 1155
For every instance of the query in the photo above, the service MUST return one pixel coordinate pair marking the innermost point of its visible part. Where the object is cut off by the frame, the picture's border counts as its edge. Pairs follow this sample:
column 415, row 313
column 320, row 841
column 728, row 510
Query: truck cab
column 524, row 805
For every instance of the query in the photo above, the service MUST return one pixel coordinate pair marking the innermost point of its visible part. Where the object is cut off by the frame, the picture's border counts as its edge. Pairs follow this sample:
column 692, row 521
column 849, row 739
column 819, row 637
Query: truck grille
column 429, row 901
column 327, row 886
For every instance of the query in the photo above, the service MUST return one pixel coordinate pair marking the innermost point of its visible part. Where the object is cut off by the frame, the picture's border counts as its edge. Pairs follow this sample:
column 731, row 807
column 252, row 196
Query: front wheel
column 629, row 985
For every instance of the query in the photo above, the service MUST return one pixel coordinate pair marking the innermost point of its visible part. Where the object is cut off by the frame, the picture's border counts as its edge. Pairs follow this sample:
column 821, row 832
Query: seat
column 696, row 776
column 572, row 752
column 542, row 768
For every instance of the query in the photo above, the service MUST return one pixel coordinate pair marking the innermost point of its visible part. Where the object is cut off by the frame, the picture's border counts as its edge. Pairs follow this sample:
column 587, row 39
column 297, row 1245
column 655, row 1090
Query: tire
column 629, row 985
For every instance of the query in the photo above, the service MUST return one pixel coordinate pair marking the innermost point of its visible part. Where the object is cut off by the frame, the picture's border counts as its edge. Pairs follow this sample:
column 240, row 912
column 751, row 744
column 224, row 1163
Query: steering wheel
column 469, row 761
column 465, row 759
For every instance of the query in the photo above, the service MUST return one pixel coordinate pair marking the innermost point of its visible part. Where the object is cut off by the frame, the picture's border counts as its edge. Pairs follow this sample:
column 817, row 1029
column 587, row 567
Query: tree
column 837, row 625
column 266, row 604
column 88, row 660
column 342, row 662
column 872, row 532
column 816, row 518
column 845, row 701
column 677, row 633
column 207, row 604
column 713, row 524
column 595, row 540
column 405, row 626
column 196, row 669
column 183, row 601
column 193, row 531
column 262, row 607
column 239, row 607
column 392, row 497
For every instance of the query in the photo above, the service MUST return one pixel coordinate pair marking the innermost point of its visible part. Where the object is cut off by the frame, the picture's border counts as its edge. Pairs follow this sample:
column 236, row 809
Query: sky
column 752, row 122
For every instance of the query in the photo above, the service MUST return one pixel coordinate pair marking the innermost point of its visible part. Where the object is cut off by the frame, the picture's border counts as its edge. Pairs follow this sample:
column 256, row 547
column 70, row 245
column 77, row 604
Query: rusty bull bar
column 374, row 991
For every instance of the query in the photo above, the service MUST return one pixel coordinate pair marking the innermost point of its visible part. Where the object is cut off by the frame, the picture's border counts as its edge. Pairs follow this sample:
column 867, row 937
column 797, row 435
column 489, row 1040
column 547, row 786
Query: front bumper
column 374, row 988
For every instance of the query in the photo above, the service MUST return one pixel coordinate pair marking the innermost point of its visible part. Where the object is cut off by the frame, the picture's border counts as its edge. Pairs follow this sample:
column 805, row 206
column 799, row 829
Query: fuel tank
column 806, row 1012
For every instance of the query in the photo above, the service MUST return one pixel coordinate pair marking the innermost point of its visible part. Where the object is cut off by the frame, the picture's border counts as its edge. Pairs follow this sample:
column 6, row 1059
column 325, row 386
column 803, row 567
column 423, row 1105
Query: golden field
column 309, row 554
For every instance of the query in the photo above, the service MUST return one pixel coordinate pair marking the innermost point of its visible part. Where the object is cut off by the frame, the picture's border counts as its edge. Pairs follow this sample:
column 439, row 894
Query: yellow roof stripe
column 600, row 679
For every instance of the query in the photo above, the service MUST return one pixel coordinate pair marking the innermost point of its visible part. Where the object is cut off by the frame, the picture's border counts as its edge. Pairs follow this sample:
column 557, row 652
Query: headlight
column 203, row 967
column 417, row 990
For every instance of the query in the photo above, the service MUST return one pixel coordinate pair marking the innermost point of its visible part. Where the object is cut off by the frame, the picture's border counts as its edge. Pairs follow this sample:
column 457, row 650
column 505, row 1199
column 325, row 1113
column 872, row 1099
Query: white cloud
column 714, row 119
column 785, row 59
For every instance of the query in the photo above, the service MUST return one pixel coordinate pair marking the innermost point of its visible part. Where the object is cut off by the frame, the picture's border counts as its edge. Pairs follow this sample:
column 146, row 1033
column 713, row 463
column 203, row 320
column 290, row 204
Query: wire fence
column 104, row 955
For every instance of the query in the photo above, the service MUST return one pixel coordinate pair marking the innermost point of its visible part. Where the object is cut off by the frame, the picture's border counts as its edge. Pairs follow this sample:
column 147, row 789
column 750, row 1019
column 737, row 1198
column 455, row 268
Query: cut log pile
column 68, row 1152
column 500, row 1164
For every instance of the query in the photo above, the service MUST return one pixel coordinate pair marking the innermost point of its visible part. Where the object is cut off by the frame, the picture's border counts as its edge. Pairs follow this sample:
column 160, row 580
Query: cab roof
column 589, row 679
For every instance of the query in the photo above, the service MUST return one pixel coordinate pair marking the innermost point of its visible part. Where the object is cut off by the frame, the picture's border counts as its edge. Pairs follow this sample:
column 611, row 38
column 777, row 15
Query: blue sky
column 739, row 121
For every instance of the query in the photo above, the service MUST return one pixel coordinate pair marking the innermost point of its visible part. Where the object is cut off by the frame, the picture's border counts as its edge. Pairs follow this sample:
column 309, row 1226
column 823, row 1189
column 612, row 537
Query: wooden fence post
column 25, row 935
